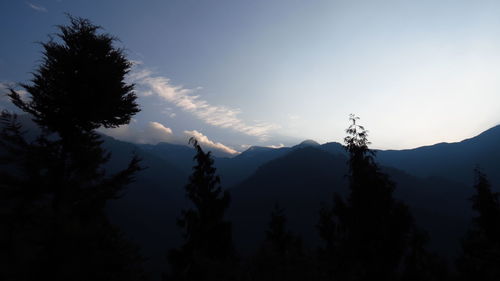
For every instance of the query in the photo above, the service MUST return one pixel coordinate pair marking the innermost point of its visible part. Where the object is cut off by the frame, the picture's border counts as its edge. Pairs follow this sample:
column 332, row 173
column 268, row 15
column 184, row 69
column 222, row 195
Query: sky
column 237, row 73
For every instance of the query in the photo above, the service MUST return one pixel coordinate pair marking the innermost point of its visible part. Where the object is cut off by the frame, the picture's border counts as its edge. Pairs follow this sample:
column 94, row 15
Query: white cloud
column 152, row 133
column 245, row 146
column 155, row 132
column 219, row 116
column 158, row 131
column 276, row 146
column 37, row 8
column 6, row 85
column 136, row 62
column 5, row 102
column 209, row 144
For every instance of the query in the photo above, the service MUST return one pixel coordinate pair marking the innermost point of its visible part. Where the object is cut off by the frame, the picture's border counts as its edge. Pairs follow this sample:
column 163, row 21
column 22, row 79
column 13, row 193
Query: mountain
column 307, row 143
column 334, row 148
column 298, row 181
column 452, row 161
column 149, row 207
column 304, row 179
column 232, row 170
column 179, row 155
column 236, row 169
column 435, row 181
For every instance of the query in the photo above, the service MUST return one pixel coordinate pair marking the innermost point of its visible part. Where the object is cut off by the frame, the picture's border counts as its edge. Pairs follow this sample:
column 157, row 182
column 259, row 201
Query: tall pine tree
column 366, row 234
column 57, row 187
column 208, row 249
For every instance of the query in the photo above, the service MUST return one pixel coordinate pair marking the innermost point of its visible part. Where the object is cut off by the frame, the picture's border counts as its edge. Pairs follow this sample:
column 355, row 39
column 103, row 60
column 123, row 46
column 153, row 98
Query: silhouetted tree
column 481, row 245
column 421, row 264
column 208, row 248
column 282, row 241
column 80, row 85
column 367, row 234
column 56, row 189
column 281, row 255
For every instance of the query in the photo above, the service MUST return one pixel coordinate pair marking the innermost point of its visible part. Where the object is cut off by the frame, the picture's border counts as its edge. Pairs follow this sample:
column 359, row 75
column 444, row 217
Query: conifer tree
column 366, row 234
column 481, row 246
column 281, row 255
column 208, row 249
column 421, row 264
column 282, row 241
column 78, row 87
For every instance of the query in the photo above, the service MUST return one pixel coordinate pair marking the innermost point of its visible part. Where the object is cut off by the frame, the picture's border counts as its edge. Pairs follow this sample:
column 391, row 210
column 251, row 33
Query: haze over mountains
column 435, row 181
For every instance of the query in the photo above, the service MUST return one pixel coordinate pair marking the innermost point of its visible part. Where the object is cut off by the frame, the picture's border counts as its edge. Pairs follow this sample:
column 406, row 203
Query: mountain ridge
column 435, row 180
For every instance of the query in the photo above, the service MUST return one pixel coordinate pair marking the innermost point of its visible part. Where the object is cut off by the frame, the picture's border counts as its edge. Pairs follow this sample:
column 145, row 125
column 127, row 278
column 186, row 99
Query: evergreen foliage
column 79, row 85
column 282, row 241
column 54, row 188
column 208, row 249
column 419, row 263
column 367, row 234
column 281, row 255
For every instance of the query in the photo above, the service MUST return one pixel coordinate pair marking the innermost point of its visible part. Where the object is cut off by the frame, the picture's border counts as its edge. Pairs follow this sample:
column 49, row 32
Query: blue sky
column 275, row 72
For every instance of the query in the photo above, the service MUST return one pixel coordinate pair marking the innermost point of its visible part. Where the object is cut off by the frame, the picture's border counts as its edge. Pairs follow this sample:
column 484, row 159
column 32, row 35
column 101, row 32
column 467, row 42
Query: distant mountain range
column 435, row 181
column 452, row 161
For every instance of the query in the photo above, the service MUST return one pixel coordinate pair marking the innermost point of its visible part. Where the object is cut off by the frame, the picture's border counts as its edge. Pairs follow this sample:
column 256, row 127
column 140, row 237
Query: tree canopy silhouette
column 282, row 241
column 208, row 247
column 56, row 190
column 80, row 86
column 281, row 255
column 366, row 234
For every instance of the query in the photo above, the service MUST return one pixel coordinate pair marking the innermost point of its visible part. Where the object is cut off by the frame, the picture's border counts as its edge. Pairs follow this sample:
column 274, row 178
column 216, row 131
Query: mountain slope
column 149, row 207
column 298, row 181
column 433, row 180
column 179, row 155
column 305, row 178
column 453, row 161
column 236, row 169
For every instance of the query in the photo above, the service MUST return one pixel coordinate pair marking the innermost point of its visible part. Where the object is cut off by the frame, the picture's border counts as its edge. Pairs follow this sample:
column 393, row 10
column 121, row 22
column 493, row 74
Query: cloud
column 245, row 146
column 276, row 146
column 187, row 100
column 37, row 8
column 155, row 132
column 209, row 144
column 152, row 133
column 5, row 102
column 5, row 87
